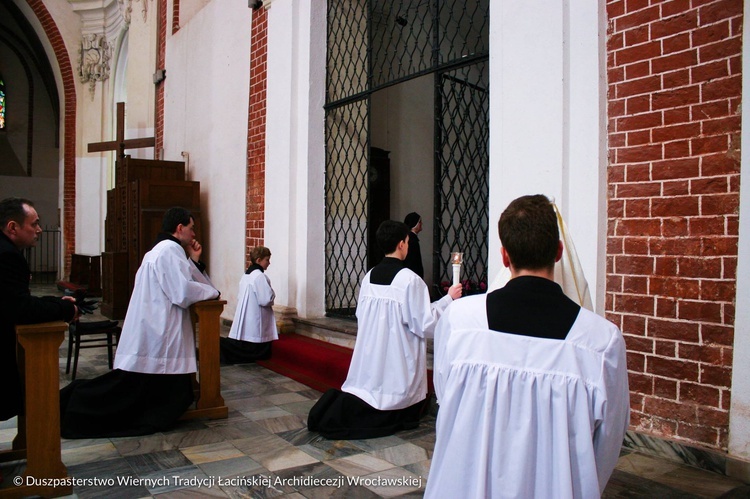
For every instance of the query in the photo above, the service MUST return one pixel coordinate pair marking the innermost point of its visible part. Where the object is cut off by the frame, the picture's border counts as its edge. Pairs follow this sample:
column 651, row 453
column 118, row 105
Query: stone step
column 340, row 332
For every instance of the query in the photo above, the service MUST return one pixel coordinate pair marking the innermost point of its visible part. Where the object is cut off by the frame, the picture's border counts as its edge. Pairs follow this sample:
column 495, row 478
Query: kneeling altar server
column 254, row 326
column 532, row 387
column 151, row 386
column 386, row 388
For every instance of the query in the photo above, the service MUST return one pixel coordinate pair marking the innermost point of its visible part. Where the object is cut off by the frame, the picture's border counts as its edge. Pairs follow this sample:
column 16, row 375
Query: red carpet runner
column 315, row 363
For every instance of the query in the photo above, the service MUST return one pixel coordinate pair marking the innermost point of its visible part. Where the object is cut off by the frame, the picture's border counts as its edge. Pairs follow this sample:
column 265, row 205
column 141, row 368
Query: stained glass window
column 2, row 103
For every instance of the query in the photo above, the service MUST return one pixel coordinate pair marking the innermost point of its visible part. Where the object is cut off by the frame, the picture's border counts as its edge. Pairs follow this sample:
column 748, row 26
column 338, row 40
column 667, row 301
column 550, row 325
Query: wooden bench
column 38, row 438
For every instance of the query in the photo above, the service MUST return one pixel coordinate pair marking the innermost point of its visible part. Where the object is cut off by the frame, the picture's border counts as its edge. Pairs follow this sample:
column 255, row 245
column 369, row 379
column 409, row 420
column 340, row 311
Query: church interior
column 301, row 126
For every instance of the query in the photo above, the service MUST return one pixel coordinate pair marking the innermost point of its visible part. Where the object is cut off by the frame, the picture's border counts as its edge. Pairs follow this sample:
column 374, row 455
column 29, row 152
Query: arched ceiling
column 19, row 36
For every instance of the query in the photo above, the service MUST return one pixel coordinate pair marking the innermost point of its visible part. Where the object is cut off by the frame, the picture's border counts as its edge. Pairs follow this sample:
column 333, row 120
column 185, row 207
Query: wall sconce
column 255, row 4
column 159, row 76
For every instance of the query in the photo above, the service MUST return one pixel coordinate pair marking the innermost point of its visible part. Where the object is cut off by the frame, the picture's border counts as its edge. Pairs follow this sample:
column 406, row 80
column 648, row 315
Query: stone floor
column 264, row 450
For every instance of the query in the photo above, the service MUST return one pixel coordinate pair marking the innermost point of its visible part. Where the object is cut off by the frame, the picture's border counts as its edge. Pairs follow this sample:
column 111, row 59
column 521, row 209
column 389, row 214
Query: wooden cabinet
column 129, row 170
column 115, row 289
column 110, row 225
column 85, row 270
column 148, row 201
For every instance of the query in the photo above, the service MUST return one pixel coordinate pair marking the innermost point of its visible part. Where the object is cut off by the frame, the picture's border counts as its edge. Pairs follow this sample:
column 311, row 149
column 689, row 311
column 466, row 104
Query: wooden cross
column 120, row 144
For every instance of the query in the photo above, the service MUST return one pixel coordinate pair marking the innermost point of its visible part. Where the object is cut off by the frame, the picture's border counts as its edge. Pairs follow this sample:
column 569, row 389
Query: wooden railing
column 38, row 438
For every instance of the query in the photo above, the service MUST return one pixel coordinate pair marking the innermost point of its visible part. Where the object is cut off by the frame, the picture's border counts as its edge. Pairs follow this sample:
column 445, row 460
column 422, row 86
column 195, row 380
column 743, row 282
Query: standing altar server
column 254, row 326
column 533, row 388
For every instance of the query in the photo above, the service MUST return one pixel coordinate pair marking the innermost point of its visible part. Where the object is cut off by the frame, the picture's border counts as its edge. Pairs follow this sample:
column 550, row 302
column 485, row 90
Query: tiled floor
column 264, row 450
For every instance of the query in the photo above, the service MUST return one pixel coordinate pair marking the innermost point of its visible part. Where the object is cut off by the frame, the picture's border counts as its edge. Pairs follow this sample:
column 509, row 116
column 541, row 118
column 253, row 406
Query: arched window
column 2, row 103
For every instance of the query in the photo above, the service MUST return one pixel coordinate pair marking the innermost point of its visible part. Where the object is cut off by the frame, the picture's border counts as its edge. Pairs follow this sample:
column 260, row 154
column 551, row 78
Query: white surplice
column 254, row 320
column 157, row 335
column 505, row 429
column 389, row 368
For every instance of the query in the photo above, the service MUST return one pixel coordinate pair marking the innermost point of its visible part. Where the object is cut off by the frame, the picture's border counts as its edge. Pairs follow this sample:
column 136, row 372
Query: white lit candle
column 456, row 260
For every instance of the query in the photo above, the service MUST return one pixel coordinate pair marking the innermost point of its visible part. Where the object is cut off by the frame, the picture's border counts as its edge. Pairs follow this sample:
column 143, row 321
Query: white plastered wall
column 139, row 84
column 91, row 187
column 189, row 8
column 205, row 113
column 295, row 153
column 97, row 111
column 739, row 415
column 547, row 120
column 131, row 67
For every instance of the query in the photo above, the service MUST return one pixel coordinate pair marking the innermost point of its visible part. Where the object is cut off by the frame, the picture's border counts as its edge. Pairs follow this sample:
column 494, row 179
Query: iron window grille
column 372, row 45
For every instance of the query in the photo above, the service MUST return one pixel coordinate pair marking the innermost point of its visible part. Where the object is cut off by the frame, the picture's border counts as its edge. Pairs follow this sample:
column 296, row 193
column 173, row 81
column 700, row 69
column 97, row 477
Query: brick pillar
column 674, row 71
column 161, row 41
column 69, row 128
column 256, row 134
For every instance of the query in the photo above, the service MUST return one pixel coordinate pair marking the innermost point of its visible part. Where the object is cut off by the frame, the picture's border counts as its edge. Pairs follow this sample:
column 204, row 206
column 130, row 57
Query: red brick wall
column 69, row 127
column 674, row 71
column 175, row 16
column 161, row 43
column 256, row 134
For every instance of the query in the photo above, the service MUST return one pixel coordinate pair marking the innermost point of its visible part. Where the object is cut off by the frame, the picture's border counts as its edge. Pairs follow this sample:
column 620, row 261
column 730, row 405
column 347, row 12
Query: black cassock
column 342, row 416
column 413, row 260
column 243, row 352
column 123, row 403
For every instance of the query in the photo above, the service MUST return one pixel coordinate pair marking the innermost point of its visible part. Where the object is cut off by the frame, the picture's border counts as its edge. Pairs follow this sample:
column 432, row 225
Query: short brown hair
column 528, row 232
column 258, row 253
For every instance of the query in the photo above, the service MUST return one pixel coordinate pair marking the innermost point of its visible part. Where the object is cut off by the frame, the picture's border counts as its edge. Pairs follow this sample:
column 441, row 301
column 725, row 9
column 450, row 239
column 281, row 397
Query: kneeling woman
column 254, row 325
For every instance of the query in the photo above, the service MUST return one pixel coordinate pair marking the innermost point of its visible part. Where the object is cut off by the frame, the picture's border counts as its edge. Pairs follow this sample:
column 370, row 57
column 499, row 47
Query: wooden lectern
column 206, row 324
column 38, row 438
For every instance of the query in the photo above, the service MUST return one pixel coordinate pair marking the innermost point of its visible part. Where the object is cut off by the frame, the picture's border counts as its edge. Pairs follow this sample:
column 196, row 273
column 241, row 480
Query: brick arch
column 68, row 116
